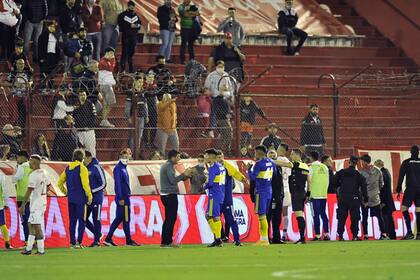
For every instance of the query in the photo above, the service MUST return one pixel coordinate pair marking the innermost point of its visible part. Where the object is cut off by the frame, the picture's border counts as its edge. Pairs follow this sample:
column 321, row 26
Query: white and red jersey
column 38, row 181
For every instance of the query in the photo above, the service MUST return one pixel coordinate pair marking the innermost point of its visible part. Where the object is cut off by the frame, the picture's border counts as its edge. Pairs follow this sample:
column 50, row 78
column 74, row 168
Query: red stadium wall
column 147, row 214
column 393, row 19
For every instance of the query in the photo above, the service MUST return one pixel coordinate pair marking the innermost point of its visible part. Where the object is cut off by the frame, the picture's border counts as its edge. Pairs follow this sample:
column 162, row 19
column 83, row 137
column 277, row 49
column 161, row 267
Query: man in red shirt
column 106, row 82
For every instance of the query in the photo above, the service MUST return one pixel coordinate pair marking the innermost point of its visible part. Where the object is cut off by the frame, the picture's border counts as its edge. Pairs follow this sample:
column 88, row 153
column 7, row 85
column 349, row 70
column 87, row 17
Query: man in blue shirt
column 215, row 187
column 122, row 199
column 97, row 182
column 79, row 195
column 262, row 174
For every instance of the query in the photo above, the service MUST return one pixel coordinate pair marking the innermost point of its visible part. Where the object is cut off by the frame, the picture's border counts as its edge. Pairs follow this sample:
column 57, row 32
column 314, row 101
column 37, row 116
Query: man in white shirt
column 281, row 152
column 37, row 195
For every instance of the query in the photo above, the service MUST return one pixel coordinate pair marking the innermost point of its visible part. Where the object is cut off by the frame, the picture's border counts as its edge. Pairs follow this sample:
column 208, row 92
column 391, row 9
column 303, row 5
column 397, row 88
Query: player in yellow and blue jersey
column 262, row 174
column 215, row 187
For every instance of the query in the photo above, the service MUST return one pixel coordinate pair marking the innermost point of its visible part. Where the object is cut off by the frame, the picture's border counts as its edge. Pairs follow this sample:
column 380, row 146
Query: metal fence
column 372, row 109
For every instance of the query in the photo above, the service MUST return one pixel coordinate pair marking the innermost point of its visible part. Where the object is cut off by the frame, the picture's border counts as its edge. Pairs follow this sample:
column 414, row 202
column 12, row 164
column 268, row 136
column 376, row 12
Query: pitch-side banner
column 147, row 215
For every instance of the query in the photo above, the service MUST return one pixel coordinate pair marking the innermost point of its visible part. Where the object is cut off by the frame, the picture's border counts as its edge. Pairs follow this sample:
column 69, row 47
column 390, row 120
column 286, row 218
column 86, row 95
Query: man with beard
column 312, row 132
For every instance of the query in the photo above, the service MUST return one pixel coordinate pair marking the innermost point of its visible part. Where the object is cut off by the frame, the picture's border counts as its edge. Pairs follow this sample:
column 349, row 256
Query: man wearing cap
column 410, row 169
column 271, row 141
column 21, row 179
column 76, row 177
column 9, row 138
column 231, row 25
column 36, row 194
column 129, row 24
column 231, row 55
column 312, row 132
column 287, row 20
column 351, row 192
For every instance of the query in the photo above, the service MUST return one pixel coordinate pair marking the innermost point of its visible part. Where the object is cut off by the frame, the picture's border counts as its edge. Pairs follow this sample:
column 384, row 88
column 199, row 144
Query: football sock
column 211, row 224
column 5, row 233
column 40, row 245
column 301, row 224
column 217, row 228
column 263, row 228
column 30, row 244
column 407, row 221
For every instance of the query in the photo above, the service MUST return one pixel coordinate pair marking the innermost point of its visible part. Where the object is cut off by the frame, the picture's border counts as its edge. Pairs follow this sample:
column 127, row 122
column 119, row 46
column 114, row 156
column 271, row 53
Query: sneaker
column 40, row 254
column 109, row 243
column 237, row 244
column 26, row 253
column 300, row 241
column 326, row 237
column 106, row 123
column 284, row 238
column 8, row 246
column 408, row 236
column 72, row 246
column 133, row 244
column 383, row 237
column 225, row 239
column 341, row 238
column 357, row 239
column 216, row 243
column 365, row 237
column 210, row 134
column 277, row 241
column 262, row 243
column 316, row 239
column 78, row 246
column 95, row 244
column 297, row 53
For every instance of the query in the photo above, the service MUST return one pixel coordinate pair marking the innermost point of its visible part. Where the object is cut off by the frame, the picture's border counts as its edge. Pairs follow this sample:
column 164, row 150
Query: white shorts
column 107, row 92
column 36, row 217
column 287, row 201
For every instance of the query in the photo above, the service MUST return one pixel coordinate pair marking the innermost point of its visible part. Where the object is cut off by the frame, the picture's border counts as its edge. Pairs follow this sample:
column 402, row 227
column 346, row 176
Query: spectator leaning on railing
column 231, row 25
column 167, row 25
column 35, row 12
column 166, row 123
column 110, row 31
column 93, row 16
column 85, row 122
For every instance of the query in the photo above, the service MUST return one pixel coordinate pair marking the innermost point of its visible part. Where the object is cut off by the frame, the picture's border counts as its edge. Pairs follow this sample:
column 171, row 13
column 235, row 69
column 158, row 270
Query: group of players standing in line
column 273, row 179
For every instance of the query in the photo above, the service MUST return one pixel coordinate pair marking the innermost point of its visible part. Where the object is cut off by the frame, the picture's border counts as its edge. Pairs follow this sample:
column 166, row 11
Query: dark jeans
column 275, row 216
column 24, row 219
column 187, row 38
column 374, row 212
column 290, row 32
column 128, row 49
column 170, row 202
column 7, row 42
column 345, row 205
column 319, row 206
column 47, row 67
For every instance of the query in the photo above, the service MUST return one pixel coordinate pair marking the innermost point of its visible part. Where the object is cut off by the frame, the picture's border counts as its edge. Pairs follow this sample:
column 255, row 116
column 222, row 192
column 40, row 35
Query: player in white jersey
column 281, row 152
column 37, row 195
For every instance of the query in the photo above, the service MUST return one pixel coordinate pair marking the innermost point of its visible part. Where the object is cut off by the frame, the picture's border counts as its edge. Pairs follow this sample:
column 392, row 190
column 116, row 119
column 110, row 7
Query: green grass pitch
column 322, row 260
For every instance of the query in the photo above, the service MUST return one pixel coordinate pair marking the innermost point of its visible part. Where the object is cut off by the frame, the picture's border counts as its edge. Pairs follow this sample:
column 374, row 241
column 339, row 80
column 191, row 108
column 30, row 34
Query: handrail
column 331, row 76
column 412, row 78
column 355, row 76
column 401, row 13
column 257, row 77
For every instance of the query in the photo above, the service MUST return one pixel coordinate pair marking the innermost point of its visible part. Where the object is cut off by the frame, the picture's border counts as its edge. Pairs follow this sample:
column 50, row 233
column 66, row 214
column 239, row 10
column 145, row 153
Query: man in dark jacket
column 248, row 109
column 70, row 19
column 312, row 132
column 129, row 24
column 35, row 12
column 97, row 183
column 9, row 138
column 85, row 122
column 387, row 201
column 167, row 25
column 410, row 169
column 163, row 76
column 351, row 191
column 224, row 126
column 287, row 20
column 275, row 211
column 48, row 52
column 271, row 141
column 65, row 141
column 86, row 46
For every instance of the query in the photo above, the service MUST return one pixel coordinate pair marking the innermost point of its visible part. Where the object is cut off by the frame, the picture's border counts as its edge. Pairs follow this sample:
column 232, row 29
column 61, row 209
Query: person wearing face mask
column 199, row 177
column 212, row 84
column 169, row 195
column 287, row 20
column 231, row 25
column 85, row 122
column 231, row 54
column 312, row 132
column 122, row 200
column 167, row 25
column 129, row 24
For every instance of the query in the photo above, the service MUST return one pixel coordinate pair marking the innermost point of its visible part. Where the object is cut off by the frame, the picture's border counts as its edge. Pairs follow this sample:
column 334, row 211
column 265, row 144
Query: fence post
column 29, row 111
column 335, row 120
column 237, row 124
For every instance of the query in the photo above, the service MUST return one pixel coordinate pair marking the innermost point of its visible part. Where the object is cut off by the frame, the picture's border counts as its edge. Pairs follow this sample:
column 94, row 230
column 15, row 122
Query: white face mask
column 202, row 164
column 124, row 161
column 220, row 70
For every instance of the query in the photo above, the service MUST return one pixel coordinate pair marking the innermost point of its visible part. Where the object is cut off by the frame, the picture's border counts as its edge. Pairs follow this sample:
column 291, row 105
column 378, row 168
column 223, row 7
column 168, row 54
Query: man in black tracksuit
column 312, row 132
column 271, row 141
column 287, row 20
column 387, row 202
column 129, row 24
column 276, row 206
column 410, row 168
column 351, row 189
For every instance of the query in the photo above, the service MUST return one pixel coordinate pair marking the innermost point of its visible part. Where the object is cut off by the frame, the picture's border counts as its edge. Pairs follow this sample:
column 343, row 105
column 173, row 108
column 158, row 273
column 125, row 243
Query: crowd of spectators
column 83, row 36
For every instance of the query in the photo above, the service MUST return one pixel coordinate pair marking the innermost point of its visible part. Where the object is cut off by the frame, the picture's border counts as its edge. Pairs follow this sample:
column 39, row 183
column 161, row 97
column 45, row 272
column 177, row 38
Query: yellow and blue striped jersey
column 262, row 174
column 217, row 179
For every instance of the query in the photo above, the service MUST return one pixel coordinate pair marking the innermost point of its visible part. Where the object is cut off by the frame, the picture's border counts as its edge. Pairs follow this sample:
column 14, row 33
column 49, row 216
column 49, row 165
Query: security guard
column 350, row 185
column 410, row 168
column 297, row 186
column 275, row 211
